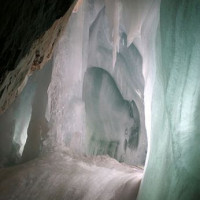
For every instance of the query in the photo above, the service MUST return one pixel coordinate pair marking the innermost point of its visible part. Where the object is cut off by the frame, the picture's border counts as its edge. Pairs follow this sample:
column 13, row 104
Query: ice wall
column 23, row 126
column 173, row 167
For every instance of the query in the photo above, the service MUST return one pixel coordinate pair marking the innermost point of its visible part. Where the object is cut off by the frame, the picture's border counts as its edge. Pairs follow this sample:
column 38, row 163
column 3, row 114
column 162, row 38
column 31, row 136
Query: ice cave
column 100, row 100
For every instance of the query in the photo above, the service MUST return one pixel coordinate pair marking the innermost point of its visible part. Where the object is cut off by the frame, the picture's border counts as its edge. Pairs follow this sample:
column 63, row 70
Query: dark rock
column 22, row 22
column 23, row 35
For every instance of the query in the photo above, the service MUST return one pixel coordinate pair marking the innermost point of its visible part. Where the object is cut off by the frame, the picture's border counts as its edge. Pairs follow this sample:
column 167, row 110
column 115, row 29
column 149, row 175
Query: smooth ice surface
column 63, row 175
column 174, row 160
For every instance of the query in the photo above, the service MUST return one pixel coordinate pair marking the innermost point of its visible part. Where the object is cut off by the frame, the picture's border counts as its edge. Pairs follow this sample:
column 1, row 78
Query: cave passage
column 113, row 122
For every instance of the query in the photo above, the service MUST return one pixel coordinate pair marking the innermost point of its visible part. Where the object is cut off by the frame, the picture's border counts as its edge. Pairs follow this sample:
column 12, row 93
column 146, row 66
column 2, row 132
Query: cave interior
column 99, row 100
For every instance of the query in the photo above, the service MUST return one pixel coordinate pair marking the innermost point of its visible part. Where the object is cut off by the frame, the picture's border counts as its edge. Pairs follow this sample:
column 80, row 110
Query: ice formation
column 92, row 120
column 122, row 68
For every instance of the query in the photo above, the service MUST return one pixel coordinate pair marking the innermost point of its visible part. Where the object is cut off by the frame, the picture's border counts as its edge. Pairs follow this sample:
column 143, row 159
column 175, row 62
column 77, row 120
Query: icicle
column 134, row 12
column 113, row 13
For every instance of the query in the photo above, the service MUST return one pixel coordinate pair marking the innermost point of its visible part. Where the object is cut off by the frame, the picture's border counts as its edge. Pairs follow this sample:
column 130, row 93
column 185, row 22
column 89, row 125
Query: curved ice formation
column 113, row 122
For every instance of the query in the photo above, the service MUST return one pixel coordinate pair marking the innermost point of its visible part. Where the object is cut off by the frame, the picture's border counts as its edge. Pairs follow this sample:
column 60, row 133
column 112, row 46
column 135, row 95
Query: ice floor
column 64, row 175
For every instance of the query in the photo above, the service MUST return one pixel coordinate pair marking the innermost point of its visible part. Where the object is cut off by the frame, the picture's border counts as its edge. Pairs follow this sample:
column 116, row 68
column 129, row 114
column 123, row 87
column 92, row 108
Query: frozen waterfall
column 93, row 108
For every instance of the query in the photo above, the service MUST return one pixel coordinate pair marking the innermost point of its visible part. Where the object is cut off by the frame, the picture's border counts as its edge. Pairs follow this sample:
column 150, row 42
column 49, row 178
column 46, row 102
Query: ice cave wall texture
column 123, row 81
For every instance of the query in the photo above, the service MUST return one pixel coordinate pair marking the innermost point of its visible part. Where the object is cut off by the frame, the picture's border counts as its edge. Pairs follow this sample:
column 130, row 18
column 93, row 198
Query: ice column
column 65, row 106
